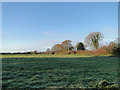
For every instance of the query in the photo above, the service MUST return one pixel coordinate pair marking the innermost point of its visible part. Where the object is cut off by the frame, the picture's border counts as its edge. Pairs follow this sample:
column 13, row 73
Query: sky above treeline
column 37, row 26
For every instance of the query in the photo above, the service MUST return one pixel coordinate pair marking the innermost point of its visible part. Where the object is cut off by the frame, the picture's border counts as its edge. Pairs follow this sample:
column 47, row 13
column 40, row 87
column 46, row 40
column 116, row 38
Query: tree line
column 93, row 40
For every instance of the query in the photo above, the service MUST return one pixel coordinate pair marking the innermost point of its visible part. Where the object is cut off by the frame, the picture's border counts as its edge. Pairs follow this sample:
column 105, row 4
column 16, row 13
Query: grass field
column 45, row 55
column 81, row 72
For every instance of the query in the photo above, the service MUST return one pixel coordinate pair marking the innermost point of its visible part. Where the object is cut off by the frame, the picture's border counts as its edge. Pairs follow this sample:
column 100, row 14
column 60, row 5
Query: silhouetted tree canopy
column 80, row 46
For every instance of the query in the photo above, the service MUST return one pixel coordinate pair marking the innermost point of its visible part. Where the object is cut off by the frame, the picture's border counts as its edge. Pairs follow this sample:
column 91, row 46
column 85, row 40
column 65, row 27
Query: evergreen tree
column 80, row 46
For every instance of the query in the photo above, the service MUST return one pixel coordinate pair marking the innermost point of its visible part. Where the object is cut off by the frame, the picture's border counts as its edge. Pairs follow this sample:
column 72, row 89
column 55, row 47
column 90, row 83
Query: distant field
column 84, row 72
column 44, row 55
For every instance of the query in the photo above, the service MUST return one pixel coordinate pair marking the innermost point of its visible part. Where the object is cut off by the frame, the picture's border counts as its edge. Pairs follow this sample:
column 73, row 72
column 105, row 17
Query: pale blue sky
column 38, row 26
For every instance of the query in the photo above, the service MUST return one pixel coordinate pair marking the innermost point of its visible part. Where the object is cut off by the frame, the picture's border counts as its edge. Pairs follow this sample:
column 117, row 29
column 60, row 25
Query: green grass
column 44, row 55
column 84, row 72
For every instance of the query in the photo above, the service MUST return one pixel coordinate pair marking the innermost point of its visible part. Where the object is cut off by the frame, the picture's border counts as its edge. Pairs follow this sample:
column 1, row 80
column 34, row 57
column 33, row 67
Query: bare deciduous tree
column 58, row 47
column 48, row 50
column 67, row 44
column 93, row 40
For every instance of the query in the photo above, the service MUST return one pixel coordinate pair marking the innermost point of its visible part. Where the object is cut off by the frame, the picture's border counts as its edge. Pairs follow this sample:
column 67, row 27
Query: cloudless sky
column 40, row 25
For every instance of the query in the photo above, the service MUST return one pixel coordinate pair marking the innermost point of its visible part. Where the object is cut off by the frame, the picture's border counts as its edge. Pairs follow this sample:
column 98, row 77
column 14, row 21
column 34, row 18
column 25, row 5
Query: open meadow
column 60, row 45
column 54, row 72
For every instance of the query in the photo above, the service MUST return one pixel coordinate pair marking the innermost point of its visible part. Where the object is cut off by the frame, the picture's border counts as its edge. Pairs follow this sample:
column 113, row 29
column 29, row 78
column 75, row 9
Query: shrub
column 65, row 52
column 101, row 51
column 85, row 52
column 61, row 52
